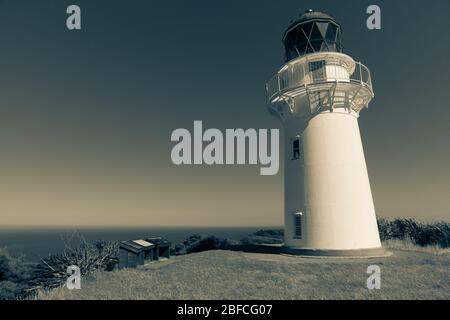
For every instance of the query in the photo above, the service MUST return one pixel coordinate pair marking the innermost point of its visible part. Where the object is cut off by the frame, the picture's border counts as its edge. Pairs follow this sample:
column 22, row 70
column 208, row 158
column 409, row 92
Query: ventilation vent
column 298, row 225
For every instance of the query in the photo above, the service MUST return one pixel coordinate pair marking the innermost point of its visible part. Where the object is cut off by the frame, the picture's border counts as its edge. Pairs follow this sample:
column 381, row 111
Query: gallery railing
column 295, row 76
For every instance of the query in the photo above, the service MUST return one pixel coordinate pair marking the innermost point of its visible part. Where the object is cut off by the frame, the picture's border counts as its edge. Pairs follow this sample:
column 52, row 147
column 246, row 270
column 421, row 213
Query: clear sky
column 86, row 116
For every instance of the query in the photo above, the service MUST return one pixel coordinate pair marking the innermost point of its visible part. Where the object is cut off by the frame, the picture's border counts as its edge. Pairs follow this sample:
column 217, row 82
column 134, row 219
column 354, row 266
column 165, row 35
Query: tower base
column 359, row 253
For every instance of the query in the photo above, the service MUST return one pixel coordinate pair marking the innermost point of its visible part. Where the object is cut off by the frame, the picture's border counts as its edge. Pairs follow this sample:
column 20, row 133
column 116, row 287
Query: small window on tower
column 316, row 65
column 317, row 70
column 296, row 149
column 298, row 225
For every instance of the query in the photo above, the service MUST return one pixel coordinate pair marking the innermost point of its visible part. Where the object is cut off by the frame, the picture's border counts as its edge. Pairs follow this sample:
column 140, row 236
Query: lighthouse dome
column 313, row 31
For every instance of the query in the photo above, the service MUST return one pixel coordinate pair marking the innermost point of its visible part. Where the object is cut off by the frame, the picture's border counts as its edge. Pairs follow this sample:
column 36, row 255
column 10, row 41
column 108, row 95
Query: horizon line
column 132, row 227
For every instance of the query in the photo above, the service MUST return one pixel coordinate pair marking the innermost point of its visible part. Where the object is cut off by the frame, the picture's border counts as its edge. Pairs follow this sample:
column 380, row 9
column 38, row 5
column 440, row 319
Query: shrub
column 14, row 275
column 264, row 237
column 51, row 272
column 199, row 243
column 431, row 234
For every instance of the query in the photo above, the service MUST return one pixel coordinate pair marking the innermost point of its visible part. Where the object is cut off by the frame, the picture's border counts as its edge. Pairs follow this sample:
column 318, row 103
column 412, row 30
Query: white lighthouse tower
column 318, row 95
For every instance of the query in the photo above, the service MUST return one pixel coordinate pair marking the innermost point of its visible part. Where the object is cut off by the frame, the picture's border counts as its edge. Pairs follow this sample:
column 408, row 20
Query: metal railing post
column 360, row 74
column 279, row 85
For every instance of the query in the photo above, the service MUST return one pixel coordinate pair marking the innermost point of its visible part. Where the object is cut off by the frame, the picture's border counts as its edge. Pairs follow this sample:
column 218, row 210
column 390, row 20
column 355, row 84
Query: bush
column 19, row 279
column 432, row 234
column 51, row 272
column 14, row 275
column 264, row 237
column 199, row 243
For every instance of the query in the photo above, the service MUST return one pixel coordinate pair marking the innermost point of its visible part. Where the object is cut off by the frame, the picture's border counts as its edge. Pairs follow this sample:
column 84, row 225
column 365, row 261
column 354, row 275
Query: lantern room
column 312, row 32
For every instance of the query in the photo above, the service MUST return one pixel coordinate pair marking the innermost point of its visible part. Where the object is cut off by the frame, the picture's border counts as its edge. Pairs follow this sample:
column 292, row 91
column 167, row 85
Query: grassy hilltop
column 207, row 267
column 408, row 274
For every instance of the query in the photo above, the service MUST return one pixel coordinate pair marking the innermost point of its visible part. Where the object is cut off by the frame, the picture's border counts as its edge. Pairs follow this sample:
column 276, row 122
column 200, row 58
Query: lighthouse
column 318, row 94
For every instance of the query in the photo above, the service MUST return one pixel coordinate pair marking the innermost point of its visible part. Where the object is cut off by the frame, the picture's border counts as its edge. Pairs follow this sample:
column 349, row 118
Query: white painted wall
column 329, row 184
column 336, row 73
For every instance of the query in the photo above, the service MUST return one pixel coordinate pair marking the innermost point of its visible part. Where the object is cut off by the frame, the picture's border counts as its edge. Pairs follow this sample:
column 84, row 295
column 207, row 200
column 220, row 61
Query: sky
column 86, row 116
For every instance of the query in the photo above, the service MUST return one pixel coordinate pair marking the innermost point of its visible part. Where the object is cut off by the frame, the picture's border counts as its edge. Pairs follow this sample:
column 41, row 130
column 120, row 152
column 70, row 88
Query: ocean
column 38, row 243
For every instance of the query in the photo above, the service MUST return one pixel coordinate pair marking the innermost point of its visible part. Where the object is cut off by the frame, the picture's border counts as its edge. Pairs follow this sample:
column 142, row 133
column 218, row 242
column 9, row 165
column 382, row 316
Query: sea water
column 37, row 243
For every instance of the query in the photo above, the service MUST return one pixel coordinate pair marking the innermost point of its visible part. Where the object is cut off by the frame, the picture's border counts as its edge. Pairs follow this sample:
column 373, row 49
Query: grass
column 411, row 273
column 426, row 257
